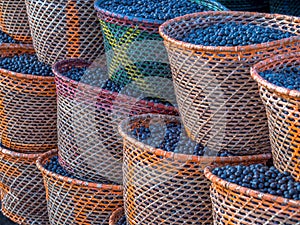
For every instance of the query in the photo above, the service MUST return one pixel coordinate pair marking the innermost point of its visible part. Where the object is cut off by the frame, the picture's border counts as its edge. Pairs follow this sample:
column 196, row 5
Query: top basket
column 217, row 98
column 134, row 48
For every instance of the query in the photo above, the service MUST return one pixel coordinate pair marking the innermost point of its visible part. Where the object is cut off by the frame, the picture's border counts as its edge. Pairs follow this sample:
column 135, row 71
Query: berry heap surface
column 4, row 38
column 261, row 178
column 234, row 34
column 172, row 138
column 288, row 77
column 154, row 9
column 26, row 64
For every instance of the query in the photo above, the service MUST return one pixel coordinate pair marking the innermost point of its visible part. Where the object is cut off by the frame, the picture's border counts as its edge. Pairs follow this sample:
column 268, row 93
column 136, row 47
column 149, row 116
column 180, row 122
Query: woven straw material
column 116, row 216
column 14, row 20
column 233, row 204
column 217, row 98
column 132, row 44
column 23, row 193
column 88, row 118
column 76, row 202
column 246, row 5
column 282, row 106
column 27, row 107
column 287, row 7
column 64, row 29
column 163, row 187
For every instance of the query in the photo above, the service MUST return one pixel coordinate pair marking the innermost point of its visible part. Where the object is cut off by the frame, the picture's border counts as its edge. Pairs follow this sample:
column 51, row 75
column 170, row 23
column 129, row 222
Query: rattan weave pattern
column 14, row 20
column 27, row 107
column 163, row 187
column 282, row 106
column 88, row 118
column 116, row 216
column 217, row 98
column 233, row 204
column 21, row 183
column 64, row 29
column 287, row 7
column 77, row 202
column 134, row 48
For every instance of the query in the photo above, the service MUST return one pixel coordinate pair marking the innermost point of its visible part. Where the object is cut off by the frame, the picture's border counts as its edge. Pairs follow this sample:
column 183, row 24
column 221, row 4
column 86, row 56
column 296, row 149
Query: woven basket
column 77, row 202
column 287, row 7
column 234, row 204
column 27, row 107
column 116, row 216
column 246, row 5
column 64, row 29
column 88, row 118
column 163, row 187
column 217, row 98
column 14, row 20
column 132, row 44
column 23, row 193
column 283, row 113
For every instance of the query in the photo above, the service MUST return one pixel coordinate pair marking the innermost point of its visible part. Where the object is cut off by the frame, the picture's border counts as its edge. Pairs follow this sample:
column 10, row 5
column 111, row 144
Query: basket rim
column 51, row 153
column 115, row 214
column 64, row 62
column 247, row 191
column 256, row 68
column 236, row 49
column 179, row 156
column 155, row 22
column 21, row 75
column 16, row 154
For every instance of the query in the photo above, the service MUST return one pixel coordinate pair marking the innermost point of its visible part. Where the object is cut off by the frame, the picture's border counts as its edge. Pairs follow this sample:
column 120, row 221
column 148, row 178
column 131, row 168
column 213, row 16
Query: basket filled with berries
column 286, row 7
column 14, row 20
column 76, row 201
column 27, row 101
column 163, row 172
column 22, row 188
column 210, row 55
column 64, row 29
column 90, row 107
column 133, row 47
column 279, row 87
column 118, row 217
column 253, row 194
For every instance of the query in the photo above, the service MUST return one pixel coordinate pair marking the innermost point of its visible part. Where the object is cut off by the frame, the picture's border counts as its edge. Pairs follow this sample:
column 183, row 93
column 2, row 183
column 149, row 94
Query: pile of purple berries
column 122, row 221
column 172, row 138
column 288, row 77
column 26, row 64
column 54, row 166
column 266, row 179
column 4, row 38
column 234, row 34
column 155, row 9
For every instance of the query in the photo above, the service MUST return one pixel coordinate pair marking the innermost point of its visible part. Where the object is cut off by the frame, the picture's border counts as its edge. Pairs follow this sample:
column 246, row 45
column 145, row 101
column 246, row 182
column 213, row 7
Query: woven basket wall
column 134, row 48
column 88, row 118
column 64, row 29
column 246, row 5
column 21, row 183
column 27, row 107
column 72, row 201
column 283, row 113
column 163, row 187
column 233, row 204
column 116, row 216
column 217, row 98
column 287, row 7
column 14, row 20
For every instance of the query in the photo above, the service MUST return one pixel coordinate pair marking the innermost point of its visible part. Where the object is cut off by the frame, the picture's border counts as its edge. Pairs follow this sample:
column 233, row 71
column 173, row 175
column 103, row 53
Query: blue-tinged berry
column 122, row 221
